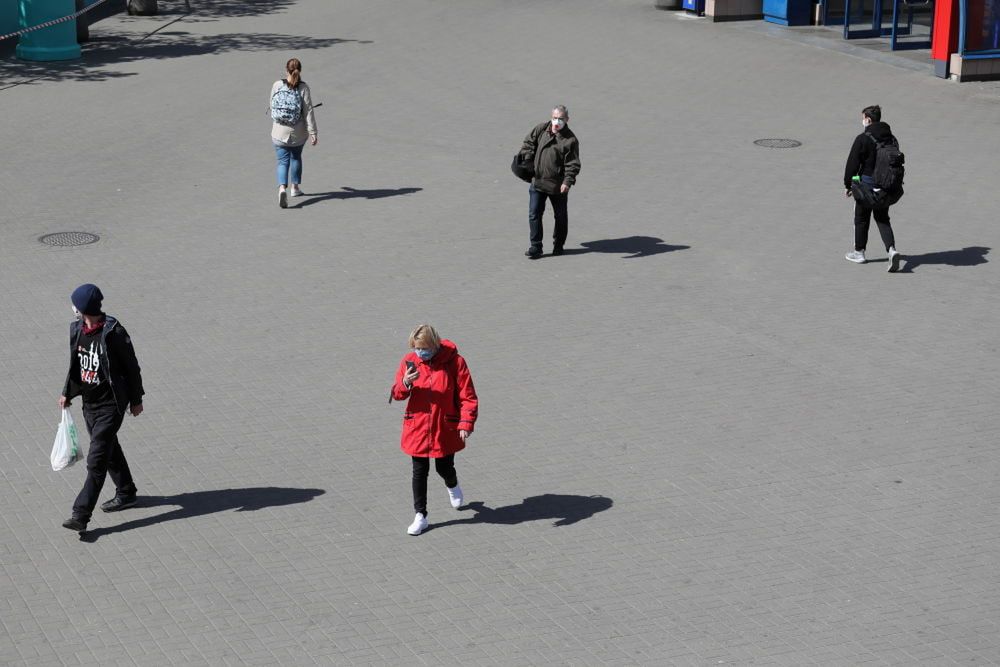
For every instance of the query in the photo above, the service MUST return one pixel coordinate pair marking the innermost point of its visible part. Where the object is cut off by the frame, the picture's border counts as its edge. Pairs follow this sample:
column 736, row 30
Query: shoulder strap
column 891, row 142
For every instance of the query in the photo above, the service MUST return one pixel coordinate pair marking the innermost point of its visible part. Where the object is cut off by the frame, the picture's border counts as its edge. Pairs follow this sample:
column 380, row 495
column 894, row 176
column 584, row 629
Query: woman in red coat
column 440, row 414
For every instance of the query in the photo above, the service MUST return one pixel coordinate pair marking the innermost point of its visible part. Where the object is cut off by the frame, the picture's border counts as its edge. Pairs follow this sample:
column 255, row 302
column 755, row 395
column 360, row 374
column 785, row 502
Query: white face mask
column 77, row 314
column 558, row 124
column 865, row 122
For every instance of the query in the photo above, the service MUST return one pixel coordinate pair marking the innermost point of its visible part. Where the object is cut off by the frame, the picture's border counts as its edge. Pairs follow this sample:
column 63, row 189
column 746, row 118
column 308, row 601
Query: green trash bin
column 56, row 42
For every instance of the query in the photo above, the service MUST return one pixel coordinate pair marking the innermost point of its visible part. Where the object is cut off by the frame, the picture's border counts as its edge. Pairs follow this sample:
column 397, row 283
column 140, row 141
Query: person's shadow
column 630, row 246
column 969, row 256
column 199, row 503
column 352, row 193
column 565, row 509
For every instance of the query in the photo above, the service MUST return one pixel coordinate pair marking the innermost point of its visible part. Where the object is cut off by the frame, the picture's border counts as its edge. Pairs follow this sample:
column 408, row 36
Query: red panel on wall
column 945, row 41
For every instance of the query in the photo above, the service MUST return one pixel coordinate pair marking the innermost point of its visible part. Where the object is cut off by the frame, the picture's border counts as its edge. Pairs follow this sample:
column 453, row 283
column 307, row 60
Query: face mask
column 865, row 123
column 77, row 314
column 558, row 124
column 425, row 355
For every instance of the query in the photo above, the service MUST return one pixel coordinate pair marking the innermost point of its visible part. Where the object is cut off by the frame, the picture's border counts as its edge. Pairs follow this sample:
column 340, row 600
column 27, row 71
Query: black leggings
column 445, row 467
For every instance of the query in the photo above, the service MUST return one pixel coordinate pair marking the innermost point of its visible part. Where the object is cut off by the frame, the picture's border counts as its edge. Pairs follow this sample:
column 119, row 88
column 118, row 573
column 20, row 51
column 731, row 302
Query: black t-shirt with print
column 93, row 378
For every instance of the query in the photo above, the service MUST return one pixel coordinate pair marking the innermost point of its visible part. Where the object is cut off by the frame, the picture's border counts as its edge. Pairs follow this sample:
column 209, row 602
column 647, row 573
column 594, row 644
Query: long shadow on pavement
column 566, row 509
column 105, row 50
column 200, row 503
column 352, row 193
column 231, row 9
column 969, row 256
column 195, row 10
column 631, row 246
column 198, row 11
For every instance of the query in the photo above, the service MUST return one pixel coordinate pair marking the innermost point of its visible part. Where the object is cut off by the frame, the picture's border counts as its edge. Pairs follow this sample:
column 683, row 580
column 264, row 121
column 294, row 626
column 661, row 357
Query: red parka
column 441, row 402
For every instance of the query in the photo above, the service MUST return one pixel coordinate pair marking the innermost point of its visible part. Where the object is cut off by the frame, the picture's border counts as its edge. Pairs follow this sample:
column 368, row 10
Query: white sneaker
column 894, row 258
column 455, row 495
column 418, row 526
column 856, row 256
column 295, row 191
column 283, row 198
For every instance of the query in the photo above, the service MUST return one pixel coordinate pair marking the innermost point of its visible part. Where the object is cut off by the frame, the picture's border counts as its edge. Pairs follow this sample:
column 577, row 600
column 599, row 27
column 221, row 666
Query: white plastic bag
column 66, row 448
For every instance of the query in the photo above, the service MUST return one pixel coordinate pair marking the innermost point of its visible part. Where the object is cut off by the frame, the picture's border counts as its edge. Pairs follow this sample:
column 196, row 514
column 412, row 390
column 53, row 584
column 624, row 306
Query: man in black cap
column 104, row 371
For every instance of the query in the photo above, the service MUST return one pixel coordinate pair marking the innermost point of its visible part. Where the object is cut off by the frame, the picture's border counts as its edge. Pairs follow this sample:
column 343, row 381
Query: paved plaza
column 704, row 437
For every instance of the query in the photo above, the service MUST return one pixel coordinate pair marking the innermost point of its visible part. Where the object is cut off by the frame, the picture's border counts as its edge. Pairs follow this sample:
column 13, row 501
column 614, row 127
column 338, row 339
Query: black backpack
column 889, row 162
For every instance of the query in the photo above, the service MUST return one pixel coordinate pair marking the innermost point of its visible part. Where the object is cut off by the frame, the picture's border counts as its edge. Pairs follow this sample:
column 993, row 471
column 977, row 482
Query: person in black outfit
column 104, row 371
column 556, row 154
column 861, row 167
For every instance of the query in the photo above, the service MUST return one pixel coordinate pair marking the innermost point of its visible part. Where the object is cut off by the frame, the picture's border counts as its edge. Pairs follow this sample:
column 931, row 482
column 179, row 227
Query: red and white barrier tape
column 49, row 24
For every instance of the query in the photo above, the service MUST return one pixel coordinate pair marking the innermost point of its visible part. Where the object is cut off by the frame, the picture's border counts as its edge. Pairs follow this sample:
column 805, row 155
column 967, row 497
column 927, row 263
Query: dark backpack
column 889, row 160
column 523, row 167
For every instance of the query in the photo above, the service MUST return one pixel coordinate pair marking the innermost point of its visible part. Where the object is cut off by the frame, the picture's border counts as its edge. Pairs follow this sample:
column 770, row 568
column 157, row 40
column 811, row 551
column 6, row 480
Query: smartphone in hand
column 410, row 366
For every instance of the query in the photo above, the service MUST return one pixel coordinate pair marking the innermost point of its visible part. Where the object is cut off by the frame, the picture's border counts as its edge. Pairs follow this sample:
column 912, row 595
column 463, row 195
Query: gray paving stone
column 798, row 453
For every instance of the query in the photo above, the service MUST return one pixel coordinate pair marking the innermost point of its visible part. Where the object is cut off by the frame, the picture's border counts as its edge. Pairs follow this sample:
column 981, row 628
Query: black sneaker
column 557, row 250
column 75, row 524
column 533, row 252
column 119, row 503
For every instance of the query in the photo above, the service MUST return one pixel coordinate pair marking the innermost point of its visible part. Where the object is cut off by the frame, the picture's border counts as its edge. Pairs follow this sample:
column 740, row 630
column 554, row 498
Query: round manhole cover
column 778, row 143
column 69, row 239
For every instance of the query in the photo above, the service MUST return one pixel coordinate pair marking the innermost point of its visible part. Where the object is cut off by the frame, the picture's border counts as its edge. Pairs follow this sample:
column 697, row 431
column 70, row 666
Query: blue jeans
column 536, row 209
column 289, row 160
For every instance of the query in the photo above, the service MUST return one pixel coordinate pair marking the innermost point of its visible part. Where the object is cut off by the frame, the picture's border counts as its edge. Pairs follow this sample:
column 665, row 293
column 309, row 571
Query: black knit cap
column 87, row 299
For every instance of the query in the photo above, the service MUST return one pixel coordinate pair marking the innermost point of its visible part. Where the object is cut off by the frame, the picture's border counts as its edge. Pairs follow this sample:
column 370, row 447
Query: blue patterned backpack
column 286, row 105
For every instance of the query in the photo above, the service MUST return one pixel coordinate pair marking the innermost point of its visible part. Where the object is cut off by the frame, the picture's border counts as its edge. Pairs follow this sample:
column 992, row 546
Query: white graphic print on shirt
column 90, row 363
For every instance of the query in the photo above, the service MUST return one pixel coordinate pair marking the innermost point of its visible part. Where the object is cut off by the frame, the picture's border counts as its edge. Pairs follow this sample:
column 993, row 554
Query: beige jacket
column 298, row 134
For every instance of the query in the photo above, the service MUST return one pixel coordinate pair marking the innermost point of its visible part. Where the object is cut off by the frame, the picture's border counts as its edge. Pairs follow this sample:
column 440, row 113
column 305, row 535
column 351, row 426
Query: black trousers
column 536, row 209
column 105, row 457
column 862, row 221
column 445, row 467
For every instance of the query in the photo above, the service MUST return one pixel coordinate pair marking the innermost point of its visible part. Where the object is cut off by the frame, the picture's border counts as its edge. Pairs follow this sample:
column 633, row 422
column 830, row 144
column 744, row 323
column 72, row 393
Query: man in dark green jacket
column 556, row 155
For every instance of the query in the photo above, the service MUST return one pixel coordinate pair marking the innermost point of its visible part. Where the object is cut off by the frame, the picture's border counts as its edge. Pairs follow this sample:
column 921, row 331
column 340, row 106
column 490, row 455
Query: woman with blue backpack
column 294, row 124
